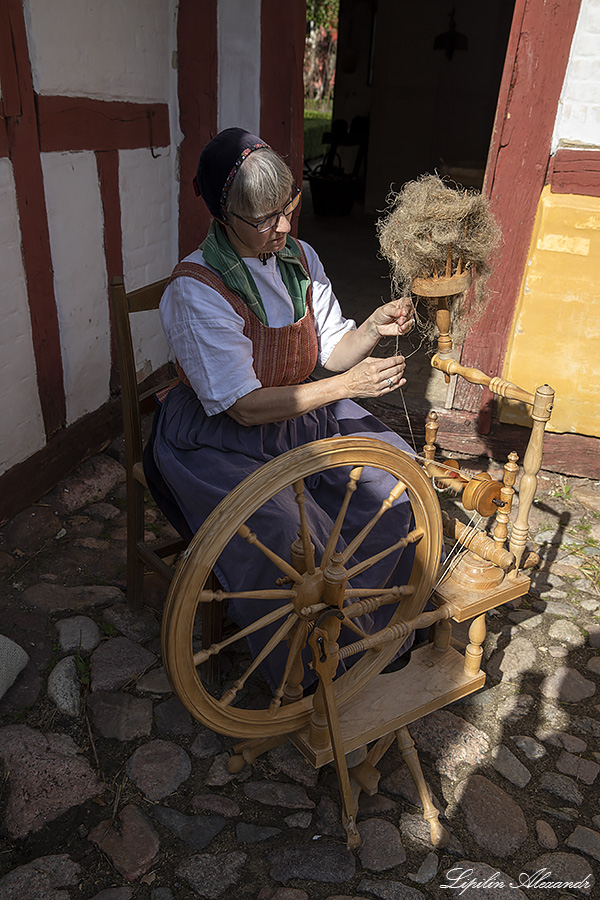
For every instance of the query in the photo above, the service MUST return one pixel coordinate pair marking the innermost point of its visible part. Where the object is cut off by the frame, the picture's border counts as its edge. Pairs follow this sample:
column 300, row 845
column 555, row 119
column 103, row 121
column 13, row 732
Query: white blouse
column 207, row 337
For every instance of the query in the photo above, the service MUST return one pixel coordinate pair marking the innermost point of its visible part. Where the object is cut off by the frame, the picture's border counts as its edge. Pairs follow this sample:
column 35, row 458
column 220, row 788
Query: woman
column 249, row 315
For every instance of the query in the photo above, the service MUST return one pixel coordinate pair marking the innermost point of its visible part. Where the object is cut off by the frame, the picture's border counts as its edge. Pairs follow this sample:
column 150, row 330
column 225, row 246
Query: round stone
column 158, row 768
column 567, row 686
column 64, row 688
column 381, row 846
column 546, row 835
column 78, row 633
column 494, row 819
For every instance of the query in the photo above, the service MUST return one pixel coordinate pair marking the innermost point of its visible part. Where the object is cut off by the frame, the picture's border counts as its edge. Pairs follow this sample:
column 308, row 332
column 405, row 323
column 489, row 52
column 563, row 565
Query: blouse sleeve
column 330, row 323
column 207, row 337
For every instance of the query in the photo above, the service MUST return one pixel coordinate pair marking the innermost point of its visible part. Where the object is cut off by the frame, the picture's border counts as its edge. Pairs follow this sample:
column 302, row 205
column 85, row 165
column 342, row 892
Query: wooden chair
column 140, row 553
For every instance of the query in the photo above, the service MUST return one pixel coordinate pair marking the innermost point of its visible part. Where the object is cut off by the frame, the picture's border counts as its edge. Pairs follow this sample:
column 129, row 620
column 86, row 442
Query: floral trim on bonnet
column 258, row 146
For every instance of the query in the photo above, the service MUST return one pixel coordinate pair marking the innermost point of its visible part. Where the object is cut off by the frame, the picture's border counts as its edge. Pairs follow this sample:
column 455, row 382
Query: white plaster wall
column 148, row 192
column 107, row 49
column 578, row 118
column 77, row 245
column 238, row 24
column 21, row 424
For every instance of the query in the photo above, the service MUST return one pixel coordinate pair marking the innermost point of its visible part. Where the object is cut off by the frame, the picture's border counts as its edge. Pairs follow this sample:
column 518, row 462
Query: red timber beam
column 197, row 68
column 19, row 104
column 283, row 30
column 80, row 123
column 3, row 135
column 107, row 164
column 575, row 172
column 534, row 72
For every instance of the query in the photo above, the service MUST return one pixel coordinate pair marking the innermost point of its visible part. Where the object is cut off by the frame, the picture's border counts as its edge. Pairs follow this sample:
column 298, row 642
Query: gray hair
column 262, row 185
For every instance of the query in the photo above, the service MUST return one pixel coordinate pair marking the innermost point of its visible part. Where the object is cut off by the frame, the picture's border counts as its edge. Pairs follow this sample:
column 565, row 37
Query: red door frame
column 536, row 61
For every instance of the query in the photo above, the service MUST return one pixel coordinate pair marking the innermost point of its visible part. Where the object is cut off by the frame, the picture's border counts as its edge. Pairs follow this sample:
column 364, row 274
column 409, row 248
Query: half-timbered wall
column 105, row 106
column 91, row 190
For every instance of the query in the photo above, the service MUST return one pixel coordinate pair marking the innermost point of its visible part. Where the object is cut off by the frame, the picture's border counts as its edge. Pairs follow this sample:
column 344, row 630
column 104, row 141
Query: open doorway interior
column 426, row 76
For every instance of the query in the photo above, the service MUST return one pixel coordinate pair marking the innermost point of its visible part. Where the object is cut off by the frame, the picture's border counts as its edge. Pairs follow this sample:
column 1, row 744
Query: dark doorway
column 426, row 73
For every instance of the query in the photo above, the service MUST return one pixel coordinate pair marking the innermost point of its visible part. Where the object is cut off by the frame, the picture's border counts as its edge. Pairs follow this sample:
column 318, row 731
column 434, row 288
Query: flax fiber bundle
column 425, row 220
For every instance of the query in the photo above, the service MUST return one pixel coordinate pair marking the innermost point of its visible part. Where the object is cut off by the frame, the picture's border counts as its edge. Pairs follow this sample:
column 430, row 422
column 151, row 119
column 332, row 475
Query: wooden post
column 532, row 463
column 506, row 495
column 474, row 651
column 431, row 429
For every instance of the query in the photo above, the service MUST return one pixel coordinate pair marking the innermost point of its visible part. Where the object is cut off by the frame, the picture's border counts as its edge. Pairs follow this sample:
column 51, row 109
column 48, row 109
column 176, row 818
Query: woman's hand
column 355, row 346
column 397, row 317
column 374, row 377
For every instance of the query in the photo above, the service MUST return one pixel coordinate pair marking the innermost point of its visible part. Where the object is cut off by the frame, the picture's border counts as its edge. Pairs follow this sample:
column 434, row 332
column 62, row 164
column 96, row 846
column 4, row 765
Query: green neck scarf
column 223, row 257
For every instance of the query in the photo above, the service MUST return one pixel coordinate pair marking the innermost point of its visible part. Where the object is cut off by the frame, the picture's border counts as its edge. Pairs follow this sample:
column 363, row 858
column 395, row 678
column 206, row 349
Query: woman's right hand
column 375, row 377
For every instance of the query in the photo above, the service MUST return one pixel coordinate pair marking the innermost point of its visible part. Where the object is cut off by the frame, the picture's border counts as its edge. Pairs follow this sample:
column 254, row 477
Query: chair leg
column 135, row 533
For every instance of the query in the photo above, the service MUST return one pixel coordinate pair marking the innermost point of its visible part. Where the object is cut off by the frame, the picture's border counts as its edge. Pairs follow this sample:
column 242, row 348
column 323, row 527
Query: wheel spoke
column 393, row 593
column 352, row 626
column 294, row 657
column 207, row 596
column 353, row 546
column 271, row 617
column 307, row 544
column 410, row 538
column 252, row 539
column 337, row 526
column 230, row 695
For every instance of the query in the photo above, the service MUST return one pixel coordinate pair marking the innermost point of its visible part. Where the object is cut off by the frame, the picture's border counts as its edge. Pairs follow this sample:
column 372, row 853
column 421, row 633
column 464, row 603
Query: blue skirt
column 202, row 458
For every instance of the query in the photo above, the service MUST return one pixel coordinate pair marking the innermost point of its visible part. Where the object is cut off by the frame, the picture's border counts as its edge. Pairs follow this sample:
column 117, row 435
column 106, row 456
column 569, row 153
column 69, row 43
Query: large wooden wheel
column 308, row 587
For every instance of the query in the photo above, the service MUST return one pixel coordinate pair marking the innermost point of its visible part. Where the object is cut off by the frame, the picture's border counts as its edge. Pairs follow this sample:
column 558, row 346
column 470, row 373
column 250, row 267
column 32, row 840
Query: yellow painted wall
column 555, row 336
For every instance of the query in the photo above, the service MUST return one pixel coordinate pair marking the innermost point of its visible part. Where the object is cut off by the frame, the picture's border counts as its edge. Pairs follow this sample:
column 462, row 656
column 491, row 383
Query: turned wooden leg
column 365, row 776
column 249, row 751
column 474, row 650
column 439, row 835
column 442, row 634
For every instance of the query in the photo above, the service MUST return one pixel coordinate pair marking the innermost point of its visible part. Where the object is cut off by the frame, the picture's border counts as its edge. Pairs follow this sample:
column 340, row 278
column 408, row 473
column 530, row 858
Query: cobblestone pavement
column 111, row 791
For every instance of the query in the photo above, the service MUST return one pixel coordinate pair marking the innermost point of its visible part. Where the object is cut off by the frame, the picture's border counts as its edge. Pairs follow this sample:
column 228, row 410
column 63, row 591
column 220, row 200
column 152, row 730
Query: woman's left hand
column 397, row 317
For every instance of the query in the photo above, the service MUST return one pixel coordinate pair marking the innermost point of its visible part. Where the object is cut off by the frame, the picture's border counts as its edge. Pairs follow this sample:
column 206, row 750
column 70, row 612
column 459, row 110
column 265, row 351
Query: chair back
column 122, row 305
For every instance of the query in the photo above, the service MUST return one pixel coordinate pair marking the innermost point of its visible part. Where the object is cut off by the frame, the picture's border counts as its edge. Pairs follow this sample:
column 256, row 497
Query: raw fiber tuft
column 426, row 219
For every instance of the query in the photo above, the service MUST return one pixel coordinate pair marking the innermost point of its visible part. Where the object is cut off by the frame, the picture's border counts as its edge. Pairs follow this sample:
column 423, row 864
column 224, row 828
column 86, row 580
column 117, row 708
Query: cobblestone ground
column 111, row 791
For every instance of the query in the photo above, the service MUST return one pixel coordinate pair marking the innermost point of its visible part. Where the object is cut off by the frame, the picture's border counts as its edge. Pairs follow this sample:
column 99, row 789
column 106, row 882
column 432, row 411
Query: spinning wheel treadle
column 310, row 588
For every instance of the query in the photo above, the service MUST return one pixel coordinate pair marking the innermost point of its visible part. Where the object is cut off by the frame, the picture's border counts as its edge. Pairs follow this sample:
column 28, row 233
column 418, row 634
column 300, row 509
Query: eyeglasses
column 271, row 221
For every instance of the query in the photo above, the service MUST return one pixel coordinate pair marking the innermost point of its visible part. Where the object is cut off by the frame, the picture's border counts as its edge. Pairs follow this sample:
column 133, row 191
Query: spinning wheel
column 311, row 587
column 311, row 609
column 312, row 601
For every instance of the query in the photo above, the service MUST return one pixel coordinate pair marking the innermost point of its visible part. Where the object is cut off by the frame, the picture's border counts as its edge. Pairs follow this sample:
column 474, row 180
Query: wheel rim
column 220, row 527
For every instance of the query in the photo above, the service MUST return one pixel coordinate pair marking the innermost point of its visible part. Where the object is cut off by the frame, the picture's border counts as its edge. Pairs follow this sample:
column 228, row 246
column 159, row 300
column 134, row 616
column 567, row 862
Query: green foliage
column 563, row 491
column 322, row 13
column 107, row 627
column 315, row 126
column 83, row 667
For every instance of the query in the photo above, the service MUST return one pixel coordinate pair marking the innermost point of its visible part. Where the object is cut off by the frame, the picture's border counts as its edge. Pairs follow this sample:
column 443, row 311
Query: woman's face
column 248, row 241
